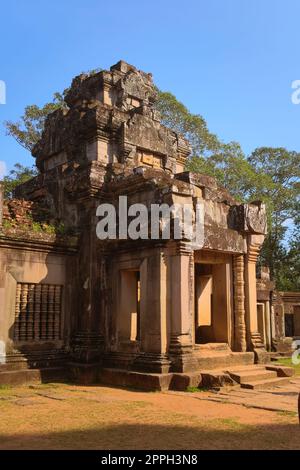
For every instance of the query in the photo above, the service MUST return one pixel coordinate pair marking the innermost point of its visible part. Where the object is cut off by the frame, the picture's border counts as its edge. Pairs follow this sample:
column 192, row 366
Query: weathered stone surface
column 212, row 379
column 183, row 381
column 142, row 381
column 282, row 371
column 124, row 304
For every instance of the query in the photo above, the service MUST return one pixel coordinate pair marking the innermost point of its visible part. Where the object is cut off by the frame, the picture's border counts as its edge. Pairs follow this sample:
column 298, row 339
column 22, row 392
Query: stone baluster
column 239, row 303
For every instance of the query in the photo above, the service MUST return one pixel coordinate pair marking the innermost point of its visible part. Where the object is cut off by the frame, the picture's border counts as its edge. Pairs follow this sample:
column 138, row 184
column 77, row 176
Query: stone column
column 254, row 340
column 153, row 357
column 181, row 262
column 239, row 303
column 88, row 316
column 273, row 324
column 268, row 324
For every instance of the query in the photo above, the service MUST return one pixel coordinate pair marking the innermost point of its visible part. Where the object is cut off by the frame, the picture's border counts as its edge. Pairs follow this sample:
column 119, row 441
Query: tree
column 17, row 176
column 277, row 184
column 192, row 126
column 269, row 174
column 230, row 168
column 288, row 274
column 27, row 131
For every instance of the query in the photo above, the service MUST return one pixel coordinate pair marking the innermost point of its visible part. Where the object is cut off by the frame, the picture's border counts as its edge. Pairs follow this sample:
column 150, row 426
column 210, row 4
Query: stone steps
column 258, row 377
column 244, row 377
column 266, row 383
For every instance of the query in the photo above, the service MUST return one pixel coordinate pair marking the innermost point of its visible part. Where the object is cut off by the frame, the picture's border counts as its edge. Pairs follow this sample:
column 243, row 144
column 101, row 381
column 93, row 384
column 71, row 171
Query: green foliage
column 6, row 224
column 278, row 186
column 268, row 174
column 288, row 272
column 192, row 126
column 230, row 168
column 287, row 361
column 27, row 131
column 20, row 174
column 36, row 227
column 191, row 389
column 61, row 229
column 5, row 387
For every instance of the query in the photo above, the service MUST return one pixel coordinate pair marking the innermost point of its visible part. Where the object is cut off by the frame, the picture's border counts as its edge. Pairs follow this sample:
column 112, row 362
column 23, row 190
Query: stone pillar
column 268, row 324
column 153, row 357
column 254, row 341
column 181, row 262
column 239, row 303
column 273, row 324
column 88, row 316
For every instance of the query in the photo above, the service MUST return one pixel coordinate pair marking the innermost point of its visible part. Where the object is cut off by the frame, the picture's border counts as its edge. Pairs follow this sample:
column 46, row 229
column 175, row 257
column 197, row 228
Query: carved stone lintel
column 239, row 303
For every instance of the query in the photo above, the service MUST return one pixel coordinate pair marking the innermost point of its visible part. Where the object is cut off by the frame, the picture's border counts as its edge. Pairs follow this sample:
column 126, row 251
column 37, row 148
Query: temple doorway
column 129, row 320
column 213, row 303
column 289, row 325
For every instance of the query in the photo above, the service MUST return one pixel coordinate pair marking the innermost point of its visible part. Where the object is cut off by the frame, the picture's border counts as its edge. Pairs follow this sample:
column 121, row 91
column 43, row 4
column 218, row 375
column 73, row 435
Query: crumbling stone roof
column 115, row 107
column 109, row 142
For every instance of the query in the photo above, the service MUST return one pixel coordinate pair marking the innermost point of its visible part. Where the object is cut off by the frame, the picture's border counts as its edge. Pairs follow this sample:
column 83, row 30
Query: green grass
column 44, row 386
column 293, row 414
column 5, row 387
column 5, row 390
column 287, row 361
column 196, row 389
column 232, row 423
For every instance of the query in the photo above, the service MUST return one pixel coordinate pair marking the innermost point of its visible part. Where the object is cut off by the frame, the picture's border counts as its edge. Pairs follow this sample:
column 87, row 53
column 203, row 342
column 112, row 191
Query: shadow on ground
column 230, row 435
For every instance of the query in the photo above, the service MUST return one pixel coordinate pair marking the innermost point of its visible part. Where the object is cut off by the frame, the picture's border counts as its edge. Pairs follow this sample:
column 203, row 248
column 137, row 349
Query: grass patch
column 287, row 361
column 231, row 423
column 5, row 387
column 133, row 405
column 5, row 390
column 44, row 386
column 197, row 389
column 292, row 414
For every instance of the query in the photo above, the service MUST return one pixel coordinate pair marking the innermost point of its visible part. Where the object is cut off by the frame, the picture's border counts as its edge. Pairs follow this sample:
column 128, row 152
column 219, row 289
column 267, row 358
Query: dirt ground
column 59, row 416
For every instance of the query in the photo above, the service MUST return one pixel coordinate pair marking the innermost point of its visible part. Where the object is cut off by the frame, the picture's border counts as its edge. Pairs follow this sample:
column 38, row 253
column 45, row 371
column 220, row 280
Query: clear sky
column 233, row 61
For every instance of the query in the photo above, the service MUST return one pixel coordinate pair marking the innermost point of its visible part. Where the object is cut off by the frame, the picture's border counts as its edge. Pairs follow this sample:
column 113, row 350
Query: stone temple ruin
column 278, row 315
column 148, row 313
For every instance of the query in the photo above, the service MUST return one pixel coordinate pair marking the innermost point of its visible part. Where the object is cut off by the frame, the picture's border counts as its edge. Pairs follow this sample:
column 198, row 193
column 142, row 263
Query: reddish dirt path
column 70, row 417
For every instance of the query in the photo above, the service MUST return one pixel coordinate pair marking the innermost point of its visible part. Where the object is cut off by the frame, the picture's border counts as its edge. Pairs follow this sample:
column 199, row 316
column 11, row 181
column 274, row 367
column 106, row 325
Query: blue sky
column 233, row 61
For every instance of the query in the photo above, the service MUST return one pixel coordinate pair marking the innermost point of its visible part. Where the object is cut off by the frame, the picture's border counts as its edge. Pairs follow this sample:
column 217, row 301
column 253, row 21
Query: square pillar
column 268, row 325
column 254, row 340
column 181, row 264
column 153, row 357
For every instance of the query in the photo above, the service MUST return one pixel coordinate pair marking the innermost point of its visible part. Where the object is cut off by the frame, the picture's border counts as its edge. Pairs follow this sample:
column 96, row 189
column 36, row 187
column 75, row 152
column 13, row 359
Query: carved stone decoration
column 239, row 303
column 255, row 217
column 120, row 304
